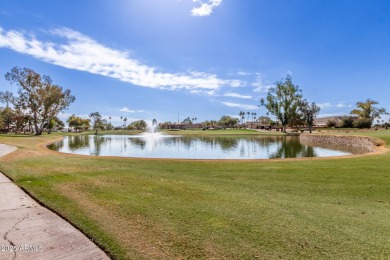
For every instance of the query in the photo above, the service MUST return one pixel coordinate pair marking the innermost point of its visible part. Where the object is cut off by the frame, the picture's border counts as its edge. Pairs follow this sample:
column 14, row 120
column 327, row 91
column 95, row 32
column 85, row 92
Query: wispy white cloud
column 327, row 105
column 242, row 106
column 262, row 89
column 342, row 104
column 259, row 85
column 127, row 110
column 205, row 7
column 235, row 83
column 235, row 95
column 243, row 73
column 83, row 53
column 203, row 92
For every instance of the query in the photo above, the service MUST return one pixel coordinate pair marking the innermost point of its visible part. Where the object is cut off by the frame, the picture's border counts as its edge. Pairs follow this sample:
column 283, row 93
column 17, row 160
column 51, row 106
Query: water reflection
column 78, row 142
column 138, row 142
column 293, row 148
column 226, row 147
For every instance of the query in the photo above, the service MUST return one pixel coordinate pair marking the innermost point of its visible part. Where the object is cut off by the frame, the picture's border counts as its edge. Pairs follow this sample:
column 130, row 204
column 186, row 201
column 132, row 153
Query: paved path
column 30, row 231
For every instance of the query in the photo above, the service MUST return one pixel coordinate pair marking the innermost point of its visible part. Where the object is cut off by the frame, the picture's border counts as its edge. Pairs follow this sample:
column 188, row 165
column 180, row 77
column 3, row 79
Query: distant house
column 181, row 126
column 257, row 125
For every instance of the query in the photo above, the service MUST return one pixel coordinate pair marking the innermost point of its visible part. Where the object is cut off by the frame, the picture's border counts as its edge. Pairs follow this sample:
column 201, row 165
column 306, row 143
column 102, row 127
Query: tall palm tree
column 124, row 120
column 121, row 121
column 240, row 114
column 254, row 116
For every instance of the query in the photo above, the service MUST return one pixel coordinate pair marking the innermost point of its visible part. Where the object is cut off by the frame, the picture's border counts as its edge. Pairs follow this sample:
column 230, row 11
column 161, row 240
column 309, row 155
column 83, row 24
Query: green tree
column 39, row 96
column 331, row 123
column 138, row 125
column 54, row 122
column 347, row 122
column 1, row 122
column 367, row 112
column 308, row 112
column 97, row 122
column 21, row 119
column 8, row 117
column 109, row 126
column 265, row 120
column 227, row 121
column 362, row 123
column 283, row 101
column 78, row 123
column 74, row 122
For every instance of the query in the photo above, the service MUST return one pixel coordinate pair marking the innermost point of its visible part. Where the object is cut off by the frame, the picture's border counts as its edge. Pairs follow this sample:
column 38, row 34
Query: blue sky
column 145, row 59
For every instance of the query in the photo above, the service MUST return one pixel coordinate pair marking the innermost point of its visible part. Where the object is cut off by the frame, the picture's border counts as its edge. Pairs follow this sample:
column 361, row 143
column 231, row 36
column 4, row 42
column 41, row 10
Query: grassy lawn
column 177, row 209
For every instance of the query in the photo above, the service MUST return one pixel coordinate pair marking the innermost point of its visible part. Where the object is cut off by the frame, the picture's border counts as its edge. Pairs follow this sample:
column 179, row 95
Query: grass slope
column 142, row 209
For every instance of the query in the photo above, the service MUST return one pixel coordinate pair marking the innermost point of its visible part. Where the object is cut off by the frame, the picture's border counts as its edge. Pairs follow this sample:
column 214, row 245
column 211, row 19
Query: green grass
column 175, row 209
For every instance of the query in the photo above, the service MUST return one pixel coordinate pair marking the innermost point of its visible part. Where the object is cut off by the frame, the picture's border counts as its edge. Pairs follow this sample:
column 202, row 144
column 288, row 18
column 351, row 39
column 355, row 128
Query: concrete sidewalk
column 30, row 231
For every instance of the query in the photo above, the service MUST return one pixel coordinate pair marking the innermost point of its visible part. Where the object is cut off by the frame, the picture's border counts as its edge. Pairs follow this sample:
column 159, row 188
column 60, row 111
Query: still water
column 184, row 147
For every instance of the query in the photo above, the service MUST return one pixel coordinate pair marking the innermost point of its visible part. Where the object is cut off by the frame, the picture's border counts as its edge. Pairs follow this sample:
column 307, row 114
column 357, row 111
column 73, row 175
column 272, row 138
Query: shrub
column 347, row 122
column 331, row 123
column 363, row 123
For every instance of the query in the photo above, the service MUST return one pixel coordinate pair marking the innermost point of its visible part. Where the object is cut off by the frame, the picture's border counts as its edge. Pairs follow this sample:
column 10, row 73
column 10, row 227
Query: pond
column 198, row 147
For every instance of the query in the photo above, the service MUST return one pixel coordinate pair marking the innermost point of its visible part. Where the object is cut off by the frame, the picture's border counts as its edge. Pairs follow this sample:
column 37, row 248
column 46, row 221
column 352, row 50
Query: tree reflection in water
column 206, row 147
column 93, row 143
column 78, row 141
column 98, row 141
column 138, row 142
column 291, row 147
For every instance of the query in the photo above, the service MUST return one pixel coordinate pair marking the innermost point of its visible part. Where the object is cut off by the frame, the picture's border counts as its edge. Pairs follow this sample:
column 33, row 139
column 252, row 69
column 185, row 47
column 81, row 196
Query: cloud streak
column 242, row 106
column 74, row 50
column 205, row 8
column 235, row 95
column 259, row 85
column 328, row 105
column 127, row 110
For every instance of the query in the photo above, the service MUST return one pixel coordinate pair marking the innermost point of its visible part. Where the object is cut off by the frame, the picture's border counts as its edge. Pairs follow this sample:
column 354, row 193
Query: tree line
column 39, row 101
